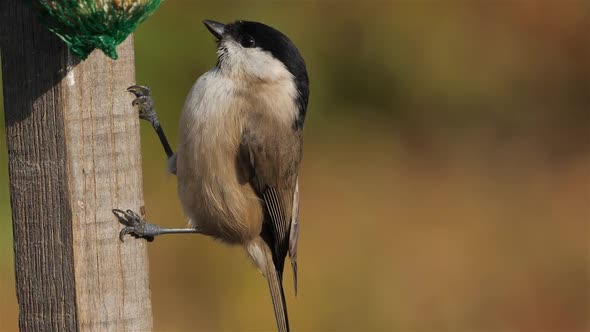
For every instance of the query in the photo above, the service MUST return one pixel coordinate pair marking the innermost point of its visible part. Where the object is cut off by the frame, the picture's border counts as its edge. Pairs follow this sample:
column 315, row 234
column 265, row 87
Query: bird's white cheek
column 253, row 63
column 264, row 66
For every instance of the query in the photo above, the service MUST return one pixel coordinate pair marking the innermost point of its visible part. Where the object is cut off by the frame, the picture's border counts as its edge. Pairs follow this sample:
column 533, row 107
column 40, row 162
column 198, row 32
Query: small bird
column 239, row 150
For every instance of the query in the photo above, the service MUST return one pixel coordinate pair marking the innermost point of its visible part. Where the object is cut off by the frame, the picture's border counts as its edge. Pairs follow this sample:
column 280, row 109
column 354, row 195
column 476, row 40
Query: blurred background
column 446, row 174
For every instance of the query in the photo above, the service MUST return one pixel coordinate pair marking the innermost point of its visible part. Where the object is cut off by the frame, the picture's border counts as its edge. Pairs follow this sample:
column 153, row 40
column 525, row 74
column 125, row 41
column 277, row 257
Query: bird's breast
column 208, row 186
column 212, row 191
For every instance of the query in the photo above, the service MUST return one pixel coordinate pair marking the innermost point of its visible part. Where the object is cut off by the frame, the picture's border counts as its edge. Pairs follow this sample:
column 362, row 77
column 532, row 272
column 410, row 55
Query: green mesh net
column 85, row 25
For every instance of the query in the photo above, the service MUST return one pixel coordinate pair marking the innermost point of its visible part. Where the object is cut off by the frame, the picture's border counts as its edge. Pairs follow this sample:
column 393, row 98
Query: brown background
column 446, row 175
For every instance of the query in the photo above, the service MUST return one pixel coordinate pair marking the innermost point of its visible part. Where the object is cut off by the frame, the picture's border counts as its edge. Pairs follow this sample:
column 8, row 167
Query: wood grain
column 74, row 154
column 104, row 159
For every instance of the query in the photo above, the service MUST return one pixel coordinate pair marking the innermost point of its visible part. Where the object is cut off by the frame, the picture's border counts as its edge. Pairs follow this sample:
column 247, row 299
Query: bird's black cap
column 282, row 48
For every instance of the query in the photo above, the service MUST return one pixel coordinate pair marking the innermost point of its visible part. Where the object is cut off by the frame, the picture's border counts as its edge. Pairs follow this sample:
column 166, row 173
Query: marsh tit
column 239, row 150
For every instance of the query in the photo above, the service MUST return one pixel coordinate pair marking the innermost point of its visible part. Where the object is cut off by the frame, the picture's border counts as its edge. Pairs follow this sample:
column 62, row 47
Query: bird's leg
column 145, row 104
column 138, row 227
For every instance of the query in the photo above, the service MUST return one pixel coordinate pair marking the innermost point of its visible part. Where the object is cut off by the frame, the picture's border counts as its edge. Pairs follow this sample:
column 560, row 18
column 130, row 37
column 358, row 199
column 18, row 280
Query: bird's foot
column 135, row 225
column 144, row 103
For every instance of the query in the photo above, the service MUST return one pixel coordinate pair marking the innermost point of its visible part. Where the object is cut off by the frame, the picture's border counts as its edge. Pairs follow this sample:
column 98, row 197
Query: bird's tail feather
column 262, row 256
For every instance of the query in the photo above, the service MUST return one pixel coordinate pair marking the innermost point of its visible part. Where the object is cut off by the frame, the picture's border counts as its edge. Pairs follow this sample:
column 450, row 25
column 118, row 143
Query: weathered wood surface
column 74, row 154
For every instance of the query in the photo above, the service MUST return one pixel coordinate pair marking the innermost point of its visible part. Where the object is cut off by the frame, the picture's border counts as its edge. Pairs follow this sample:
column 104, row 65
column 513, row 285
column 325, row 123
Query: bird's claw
column 134, row 225
column 144, row 102
column 139, row 90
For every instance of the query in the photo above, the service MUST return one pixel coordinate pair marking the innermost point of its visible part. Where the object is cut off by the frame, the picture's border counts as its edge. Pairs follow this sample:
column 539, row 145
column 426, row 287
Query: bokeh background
column 446, row 174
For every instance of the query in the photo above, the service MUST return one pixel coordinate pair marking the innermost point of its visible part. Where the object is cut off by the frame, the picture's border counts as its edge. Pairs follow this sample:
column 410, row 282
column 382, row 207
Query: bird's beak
column 216, row 28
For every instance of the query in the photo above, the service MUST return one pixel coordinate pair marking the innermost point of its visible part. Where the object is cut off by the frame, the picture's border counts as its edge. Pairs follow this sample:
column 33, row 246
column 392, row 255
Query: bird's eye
column 247, row 42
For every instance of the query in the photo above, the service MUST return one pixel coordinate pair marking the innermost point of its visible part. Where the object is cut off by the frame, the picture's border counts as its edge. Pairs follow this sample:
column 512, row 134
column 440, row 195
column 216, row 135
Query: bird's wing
column 269, row 162
column 272, row 171
column 294, row 234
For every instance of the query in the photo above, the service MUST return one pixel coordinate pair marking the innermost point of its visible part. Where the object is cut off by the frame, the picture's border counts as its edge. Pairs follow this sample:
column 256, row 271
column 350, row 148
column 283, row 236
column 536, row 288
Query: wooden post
column 74, row 154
